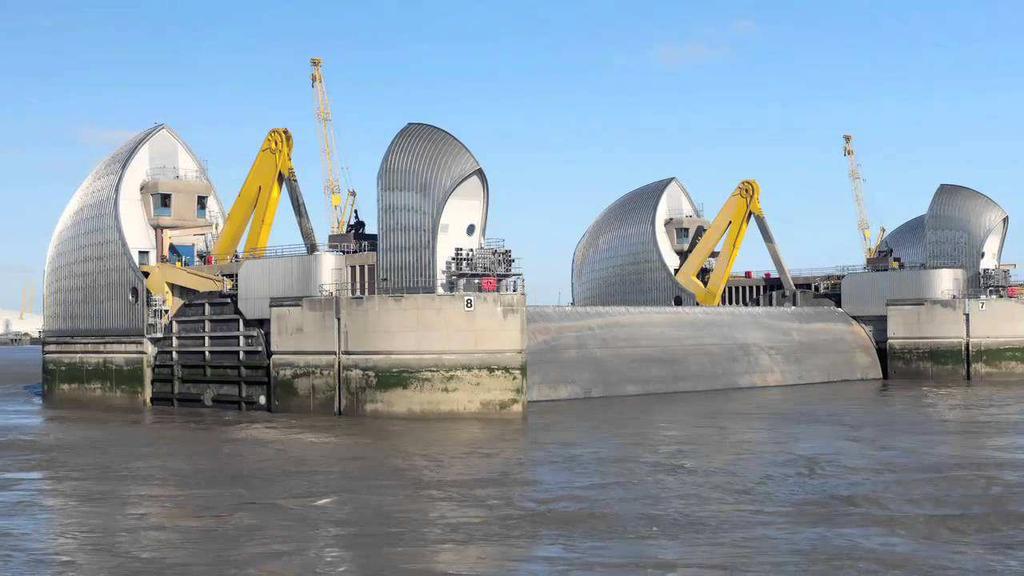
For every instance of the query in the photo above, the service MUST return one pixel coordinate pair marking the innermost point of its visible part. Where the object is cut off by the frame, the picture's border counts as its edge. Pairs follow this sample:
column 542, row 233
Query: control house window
column 201, row 206
column 143, row 257
column 161, row 204
column 682, row 235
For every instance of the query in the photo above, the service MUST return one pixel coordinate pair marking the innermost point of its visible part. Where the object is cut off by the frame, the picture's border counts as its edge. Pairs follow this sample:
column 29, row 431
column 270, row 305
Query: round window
column 470, row 229
column 133, row 295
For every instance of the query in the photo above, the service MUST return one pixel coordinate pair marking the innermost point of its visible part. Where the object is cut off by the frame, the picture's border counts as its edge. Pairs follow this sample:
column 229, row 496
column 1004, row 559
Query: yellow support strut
column 258, row 198
column 731, row 223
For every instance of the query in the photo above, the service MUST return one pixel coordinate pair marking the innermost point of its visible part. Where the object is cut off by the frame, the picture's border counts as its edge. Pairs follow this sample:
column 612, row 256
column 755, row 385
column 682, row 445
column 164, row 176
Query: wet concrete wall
column 996, row 339
column 978, row 339
column 429, row 354
column 108, row 371
column 304, row 383
column 422, row 354
column 591, row 351
column 927, row 339
column 304, row 369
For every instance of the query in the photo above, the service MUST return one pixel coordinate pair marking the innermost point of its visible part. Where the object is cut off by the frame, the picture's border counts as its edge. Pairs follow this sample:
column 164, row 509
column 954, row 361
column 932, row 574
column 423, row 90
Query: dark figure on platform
column 357, row 225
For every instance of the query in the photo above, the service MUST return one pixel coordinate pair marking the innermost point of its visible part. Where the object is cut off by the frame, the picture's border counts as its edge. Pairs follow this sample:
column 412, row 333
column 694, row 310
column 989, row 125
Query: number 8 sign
column 468, row 303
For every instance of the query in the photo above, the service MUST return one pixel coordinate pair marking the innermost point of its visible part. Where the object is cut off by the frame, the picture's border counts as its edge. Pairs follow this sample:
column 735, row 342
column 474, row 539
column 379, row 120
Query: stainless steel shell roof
column 952, row 233
column 907, row 242
column 421, row 168
column 617, row 261
column 92, row 285
column 958, row 222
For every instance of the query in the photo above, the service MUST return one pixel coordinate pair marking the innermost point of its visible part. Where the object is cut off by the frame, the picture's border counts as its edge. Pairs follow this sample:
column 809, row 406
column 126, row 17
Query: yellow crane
column 857, row 185
column 173, row 284
column 256, row 205
column 731, row 223
column 340, row 209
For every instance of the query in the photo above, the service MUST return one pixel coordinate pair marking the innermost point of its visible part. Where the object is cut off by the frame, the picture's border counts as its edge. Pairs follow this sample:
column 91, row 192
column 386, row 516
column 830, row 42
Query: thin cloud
column 744, row 26
column 677, row 54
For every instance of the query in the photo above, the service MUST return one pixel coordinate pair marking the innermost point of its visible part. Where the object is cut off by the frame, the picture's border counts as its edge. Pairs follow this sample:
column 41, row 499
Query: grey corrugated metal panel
column 907, row 242
column 593, row 351
column 958, row 222
column 867, row 293
column 421, row 168
column 617, row 262
column 90, row 272
column 294, row 276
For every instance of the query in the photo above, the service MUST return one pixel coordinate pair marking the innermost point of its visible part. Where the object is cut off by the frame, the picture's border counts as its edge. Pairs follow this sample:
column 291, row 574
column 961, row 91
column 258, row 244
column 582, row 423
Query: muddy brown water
column 835, row 478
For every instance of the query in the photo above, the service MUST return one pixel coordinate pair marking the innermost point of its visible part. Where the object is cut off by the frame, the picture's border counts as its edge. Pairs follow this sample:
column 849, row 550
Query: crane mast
column 856, row 183
column 27, row 295
column 338, row 208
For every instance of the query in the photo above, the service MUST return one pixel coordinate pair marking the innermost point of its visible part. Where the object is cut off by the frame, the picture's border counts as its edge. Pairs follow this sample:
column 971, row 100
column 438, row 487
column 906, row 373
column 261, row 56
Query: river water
column 835, row 478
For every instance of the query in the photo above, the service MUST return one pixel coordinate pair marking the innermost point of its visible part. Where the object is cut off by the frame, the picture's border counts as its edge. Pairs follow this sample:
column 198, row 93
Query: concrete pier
column 996, row 339
column 112, row 371
column 434, row 354
column 411, row 355
column 304, row 369
column 956, row 339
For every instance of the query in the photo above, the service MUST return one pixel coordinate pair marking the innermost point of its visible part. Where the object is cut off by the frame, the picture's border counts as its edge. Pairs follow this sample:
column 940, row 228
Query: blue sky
column 566, row 105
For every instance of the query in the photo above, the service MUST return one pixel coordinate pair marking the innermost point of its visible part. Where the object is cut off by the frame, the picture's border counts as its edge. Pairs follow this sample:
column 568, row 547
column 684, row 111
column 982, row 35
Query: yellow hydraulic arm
column 162, row 279
column 258, row 199
column 731, row 223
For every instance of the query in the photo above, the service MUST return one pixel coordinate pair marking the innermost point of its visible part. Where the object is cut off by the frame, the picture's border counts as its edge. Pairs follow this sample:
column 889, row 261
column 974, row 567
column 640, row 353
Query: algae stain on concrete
column 424, row 391
column 106, row 376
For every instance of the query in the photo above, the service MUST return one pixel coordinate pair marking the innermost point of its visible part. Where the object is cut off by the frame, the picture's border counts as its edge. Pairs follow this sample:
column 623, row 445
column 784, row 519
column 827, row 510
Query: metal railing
column 287, row 250
column 175, row 173
column 844, row 269
column 698, row 213
column 514, row 285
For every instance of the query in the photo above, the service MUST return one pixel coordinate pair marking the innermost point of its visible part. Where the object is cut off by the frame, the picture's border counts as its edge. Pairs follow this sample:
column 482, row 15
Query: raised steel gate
column 207, row 356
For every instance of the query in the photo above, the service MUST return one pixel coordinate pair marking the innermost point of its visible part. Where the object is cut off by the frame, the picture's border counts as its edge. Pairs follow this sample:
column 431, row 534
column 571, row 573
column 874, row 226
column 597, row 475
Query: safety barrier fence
column 492, row 285
column 287, row 250
column 175, row 173
column 844, row 269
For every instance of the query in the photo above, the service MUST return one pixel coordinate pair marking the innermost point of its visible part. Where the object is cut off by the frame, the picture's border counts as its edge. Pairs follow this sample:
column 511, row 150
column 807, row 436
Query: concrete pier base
column 410, row 355
column 1001, row 359
column 996, row 339
column 97, row 371
column 306, row 384
column 970, row 339
column 304, row 373
column 927, row 360
column 429, row 354
column 421, row 385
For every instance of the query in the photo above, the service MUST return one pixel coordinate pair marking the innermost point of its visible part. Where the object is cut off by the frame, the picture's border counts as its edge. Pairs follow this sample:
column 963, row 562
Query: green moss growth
column 284, row 390
column 507, row 404
column 396, row 380
column 947, row 357
column 1013, row 354
column 109, row 376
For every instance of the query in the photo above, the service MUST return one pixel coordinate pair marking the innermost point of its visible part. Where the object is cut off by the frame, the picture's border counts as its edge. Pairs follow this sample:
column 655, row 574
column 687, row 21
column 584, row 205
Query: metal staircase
column 207, row 357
